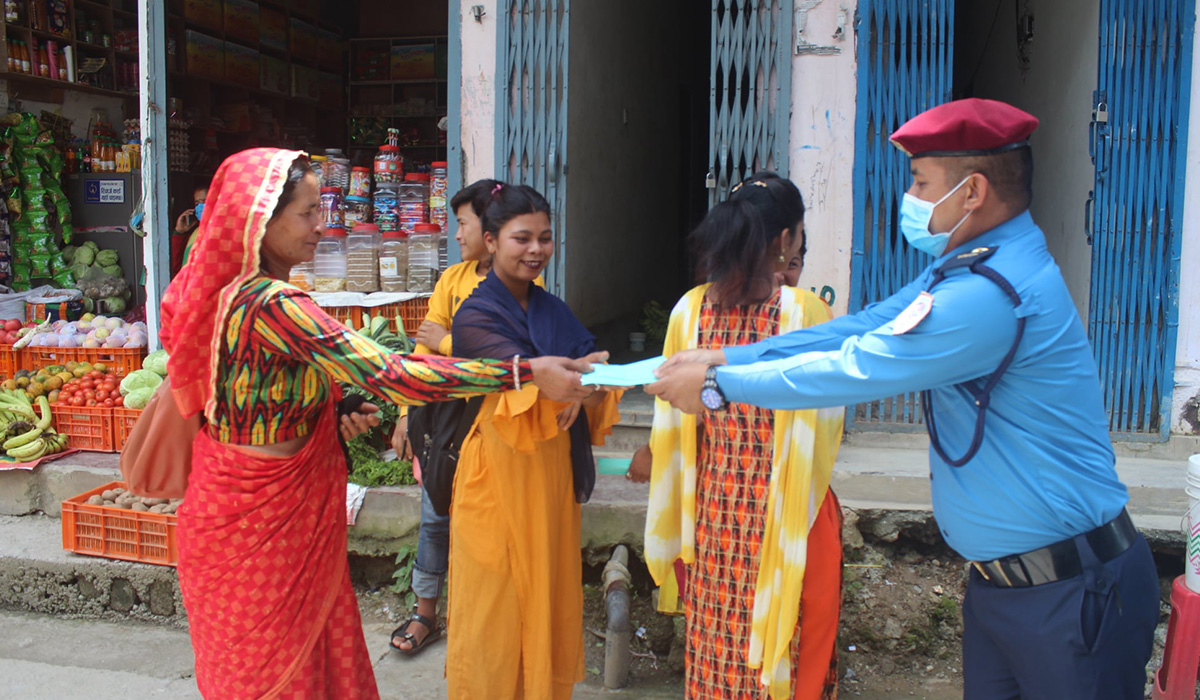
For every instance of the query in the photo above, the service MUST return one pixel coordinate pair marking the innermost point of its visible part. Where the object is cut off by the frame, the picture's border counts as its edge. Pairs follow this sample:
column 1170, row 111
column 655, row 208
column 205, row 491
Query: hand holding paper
column 634, row 374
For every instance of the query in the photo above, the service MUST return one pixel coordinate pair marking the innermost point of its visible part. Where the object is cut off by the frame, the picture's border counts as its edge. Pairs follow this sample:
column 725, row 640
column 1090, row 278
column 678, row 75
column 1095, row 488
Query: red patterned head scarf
column 197, row 303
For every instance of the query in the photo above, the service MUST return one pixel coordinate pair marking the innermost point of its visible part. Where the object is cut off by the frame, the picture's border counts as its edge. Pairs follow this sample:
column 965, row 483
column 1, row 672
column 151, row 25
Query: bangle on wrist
column 517, row 372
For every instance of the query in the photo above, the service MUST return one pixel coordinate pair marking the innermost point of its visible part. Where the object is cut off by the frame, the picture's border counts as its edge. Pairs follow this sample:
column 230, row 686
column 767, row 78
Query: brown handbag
column 157, row 458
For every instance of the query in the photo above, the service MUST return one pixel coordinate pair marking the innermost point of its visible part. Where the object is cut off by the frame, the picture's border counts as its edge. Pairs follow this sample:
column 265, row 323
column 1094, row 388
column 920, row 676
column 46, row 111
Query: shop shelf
column 123, row 421
column 86, row 427
column 116, row 533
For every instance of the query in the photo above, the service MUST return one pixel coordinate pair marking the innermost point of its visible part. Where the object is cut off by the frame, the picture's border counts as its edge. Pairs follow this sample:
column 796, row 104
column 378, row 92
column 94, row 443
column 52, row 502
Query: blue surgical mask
column 915, row 215
column 199, row 210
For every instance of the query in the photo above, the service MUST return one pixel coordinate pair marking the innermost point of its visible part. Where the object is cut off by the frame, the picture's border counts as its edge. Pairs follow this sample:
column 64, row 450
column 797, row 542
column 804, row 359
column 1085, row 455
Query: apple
column 12, row 324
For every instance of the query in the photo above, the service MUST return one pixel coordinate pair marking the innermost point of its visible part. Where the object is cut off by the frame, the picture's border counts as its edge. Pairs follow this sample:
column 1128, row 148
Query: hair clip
column 497, row 188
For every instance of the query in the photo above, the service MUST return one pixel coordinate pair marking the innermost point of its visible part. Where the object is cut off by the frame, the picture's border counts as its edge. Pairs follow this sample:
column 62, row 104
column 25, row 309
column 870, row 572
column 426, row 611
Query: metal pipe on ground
column 618, row 633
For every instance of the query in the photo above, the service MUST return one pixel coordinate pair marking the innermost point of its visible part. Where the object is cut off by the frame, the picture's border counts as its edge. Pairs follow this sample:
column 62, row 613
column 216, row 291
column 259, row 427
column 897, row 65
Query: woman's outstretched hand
column 683, row 357
column 360, row 421
column 558, row 377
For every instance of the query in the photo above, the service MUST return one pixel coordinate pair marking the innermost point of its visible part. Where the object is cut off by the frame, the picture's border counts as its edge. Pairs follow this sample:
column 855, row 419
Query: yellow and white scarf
column 805, row 447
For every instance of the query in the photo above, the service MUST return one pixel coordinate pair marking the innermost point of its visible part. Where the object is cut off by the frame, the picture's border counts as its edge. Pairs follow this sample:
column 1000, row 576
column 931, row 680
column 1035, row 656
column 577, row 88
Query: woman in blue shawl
column 516, row 599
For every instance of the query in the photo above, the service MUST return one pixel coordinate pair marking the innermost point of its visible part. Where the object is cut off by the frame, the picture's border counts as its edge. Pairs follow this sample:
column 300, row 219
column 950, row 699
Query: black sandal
column 401, row 632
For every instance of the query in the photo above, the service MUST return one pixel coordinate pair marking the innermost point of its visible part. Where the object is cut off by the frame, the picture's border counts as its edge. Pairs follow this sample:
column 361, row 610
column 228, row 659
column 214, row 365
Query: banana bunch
column 29, row 437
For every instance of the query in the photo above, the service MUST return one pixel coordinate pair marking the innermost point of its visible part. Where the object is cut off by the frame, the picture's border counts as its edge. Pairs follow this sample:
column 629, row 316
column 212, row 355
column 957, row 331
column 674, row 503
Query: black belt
column 1061, row 559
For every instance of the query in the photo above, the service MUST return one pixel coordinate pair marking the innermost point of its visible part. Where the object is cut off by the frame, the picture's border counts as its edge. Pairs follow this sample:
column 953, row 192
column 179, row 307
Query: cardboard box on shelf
column 413, row 62
column 204, row 13
column 273, row 74
column 205, row 55
column 302, row 38
column 241, row 20
column 306, row 83
column 272, row 29
column 241, row 64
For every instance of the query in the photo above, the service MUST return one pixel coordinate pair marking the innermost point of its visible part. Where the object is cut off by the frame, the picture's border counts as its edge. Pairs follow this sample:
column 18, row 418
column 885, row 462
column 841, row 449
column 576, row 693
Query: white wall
column 821, row 152
column 1187, row 351
column 1057, row 89
column 478, row 104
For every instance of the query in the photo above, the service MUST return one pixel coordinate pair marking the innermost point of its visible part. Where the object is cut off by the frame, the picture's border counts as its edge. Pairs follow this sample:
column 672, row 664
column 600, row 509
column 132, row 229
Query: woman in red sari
column 262, row 532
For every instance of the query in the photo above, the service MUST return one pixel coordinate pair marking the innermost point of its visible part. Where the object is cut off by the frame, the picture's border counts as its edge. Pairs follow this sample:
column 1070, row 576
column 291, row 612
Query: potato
column 154, row 501
column 123, row 505
column 176, row 501
column 119, row 490
column 140, row 507
column 159, row 508
column 110, row 503
column 95, row 501
column 109, row 495
column 173, row 508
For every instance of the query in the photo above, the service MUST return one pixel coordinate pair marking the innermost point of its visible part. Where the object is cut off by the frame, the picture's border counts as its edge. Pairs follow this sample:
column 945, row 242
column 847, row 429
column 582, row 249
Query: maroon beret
column 970, row 127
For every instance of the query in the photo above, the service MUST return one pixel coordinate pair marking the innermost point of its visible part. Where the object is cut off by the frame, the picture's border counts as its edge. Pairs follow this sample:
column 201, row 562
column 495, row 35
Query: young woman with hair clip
column 516, row 599
column 743, row 533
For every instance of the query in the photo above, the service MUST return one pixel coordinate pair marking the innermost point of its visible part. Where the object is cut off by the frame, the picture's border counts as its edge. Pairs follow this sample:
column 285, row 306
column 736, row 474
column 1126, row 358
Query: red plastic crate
column 350, row 316
column 120, row 361
column 117, row 533
column 123, row 421
column 33, row 359
column 411, row 313
column 8, row 362
column 87, row 427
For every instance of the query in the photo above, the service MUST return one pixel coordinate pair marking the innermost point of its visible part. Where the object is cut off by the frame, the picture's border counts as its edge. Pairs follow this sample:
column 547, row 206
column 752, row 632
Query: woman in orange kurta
column 262, row 530
column 516, row 598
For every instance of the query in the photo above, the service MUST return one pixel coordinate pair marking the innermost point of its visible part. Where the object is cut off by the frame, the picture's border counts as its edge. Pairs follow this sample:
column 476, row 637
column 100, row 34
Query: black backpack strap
column 470, row 411
column 974, row 262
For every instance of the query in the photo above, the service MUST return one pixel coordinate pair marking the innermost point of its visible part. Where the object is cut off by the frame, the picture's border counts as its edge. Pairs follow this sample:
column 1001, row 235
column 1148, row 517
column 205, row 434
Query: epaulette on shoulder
column 966, row 260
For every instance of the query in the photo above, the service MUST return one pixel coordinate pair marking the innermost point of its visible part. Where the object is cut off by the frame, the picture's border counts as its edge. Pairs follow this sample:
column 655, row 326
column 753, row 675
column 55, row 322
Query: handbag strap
column 466, row 421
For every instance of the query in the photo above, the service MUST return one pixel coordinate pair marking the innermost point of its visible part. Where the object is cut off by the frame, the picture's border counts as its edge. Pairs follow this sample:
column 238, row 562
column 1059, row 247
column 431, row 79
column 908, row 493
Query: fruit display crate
column 33, row 359
column 123, row 421
column 116, row 533
column 8, row 362
column 87, row 427
column 410, row 313
column 120, row 361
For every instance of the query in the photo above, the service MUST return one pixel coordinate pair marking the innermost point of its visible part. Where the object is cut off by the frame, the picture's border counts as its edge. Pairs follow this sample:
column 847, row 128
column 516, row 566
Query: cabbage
column 156, row 362
column 84, row 256
column 138, row 398
column 106, row 257
column 91, row 244
column 139, row 379
column 79, row 270
column 69, row 253
column 114, row 305
column 112, row 270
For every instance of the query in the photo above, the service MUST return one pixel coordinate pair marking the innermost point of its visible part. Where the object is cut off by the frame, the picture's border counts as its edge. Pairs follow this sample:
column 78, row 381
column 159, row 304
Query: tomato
column 94, row 374
column 91, row 402
column 86, row 384
column 119, row 401
column 101, row 395
column 109, row 386
column 76, row 400
column 89, row 395
column 108, row 403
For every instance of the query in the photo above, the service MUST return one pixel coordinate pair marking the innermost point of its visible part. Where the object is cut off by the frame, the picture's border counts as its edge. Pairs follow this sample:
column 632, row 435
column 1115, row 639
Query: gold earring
column 782, row 259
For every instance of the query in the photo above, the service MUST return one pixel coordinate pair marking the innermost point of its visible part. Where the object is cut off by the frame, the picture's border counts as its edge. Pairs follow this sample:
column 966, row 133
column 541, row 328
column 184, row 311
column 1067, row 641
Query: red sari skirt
column 264, row 573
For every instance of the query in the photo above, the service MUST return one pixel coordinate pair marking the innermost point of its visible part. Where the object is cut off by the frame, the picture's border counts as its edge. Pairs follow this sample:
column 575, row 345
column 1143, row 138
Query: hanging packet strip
column 634, row 374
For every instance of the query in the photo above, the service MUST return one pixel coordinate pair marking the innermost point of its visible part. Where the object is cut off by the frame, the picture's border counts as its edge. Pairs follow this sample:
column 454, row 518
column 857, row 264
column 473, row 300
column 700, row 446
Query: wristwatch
column 710, row 393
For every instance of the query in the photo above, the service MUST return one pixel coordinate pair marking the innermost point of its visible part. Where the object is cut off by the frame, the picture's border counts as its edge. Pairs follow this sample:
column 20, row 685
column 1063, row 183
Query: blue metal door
column 1138, row 144
column 751, row 100
column 905, row 56
column 531, row 109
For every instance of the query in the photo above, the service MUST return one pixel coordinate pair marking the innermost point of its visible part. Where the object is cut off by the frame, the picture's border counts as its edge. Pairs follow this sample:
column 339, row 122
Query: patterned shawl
column 805, row 447
column 198, row 301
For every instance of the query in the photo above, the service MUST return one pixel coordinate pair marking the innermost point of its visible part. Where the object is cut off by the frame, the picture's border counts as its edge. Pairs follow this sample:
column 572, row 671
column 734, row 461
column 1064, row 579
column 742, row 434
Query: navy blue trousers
column 1084, row 638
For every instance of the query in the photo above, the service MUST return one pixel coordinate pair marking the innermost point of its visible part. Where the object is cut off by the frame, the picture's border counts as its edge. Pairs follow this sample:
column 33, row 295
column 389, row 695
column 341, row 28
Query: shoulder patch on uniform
column 913, row 314
column 968, row 258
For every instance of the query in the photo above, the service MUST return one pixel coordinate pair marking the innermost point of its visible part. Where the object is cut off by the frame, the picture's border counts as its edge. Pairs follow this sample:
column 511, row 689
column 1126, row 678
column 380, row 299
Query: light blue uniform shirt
column 1045, row 470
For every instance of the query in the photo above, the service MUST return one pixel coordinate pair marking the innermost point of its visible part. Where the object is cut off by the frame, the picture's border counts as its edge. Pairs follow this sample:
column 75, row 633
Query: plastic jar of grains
column 438, row 201
column 357, row 211
column 412, row 203
column 387, row 206
column 329, row 265
column 362, row 259
column 337, row 170
column 301, row 276
column 360, row 182
column 422, row 258
column 331, row 206
column 393, row 262
column 389, row 165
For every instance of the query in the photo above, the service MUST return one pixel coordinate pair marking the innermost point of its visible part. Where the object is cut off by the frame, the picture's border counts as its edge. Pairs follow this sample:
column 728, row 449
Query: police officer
column 1063, row 595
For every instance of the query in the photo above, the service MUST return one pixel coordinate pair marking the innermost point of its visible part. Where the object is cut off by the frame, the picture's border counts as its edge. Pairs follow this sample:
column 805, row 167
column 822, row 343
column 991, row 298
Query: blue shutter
column 905, row 56
column 1138, row 144
column 531, row 109
column 751, row 80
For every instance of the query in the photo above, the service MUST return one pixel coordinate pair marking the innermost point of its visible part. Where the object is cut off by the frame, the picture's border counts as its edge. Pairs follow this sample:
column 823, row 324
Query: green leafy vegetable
column 156, row 362
column 368, row 469
column 138, row 398
column 138, row 379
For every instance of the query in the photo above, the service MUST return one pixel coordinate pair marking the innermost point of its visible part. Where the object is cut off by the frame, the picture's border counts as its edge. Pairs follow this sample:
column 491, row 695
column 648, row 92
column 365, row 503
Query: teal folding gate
column 905, row 55
column 1135, row 216
column 751, row 80
column 531, row 109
